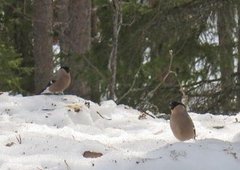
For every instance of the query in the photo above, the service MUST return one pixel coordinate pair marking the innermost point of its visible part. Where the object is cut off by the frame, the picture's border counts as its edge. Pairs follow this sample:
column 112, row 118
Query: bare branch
column 145, row 99
column 103, row 116
column 131, row 88
column 68, row 167
column 151, row 93
column 112, row 63
column 19, row 139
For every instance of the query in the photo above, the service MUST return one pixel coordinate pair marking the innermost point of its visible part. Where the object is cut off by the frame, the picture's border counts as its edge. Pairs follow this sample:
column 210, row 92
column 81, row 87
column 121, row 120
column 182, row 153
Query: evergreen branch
column 151, row 93
column 181, row 88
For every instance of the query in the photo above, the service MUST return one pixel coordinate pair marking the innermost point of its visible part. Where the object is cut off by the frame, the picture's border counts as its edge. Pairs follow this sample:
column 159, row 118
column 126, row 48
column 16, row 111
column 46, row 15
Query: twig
column 19, row 139
column 131, row 23
column 151, row 93
column 130, row 89
column 145, row 99
column 149, row 115
column 68, row 167
column 103, row 116
column 144, row 114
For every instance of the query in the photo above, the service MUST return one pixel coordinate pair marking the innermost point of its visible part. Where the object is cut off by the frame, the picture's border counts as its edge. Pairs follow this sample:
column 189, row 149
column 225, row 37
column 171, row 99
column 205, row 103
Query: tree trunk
column 94, row 21
column 80, row 42
column 42, row 49
column 61, row 24
column 226, row 56
column 75, row 41
column 112, row 64
column 79, row 30
column 153, row 3
column 238, row 67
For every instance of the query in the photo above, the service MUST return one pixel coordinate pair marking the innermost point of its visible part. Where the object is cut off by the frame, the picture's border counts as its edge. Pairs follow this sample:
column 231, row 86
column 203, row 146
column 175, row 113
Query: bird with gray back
column 62, row 82
column 180, row 122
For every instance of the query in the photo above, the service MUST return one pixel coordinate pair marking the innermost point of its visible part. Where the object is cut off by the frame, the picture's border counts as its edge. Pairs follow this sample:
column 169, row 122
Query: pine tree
column 42, row 45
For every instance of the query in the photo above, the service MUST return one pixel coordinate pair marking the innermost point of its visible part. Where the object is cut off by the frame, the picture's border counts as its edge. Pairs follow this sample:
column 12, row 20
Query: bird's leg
column 47, row 93
column 59, row 93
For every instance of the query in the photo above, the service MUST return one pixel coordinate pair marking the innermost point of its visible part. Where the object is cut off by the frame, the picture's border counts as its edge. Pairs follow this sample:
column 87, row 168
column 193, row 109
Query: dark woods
column 143, row 53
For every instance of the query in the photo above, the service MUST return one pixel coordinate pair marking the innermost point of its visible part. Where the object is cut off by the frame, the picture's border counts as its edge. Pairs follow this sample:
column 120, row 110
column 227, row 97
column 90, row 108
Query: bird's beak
column 171, row 105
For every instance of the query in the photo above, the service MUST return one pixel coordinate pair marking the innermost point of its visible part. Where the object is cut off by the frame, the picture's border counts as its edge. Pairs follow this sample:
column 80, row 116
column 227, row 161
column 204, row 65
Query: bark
column 42, row 48
column 79, row 30
column 238, row 68
column 153, row 3
column 225, row 54
column 61, row 23
column 75, row 40
column 112, row 64
column 94, row 21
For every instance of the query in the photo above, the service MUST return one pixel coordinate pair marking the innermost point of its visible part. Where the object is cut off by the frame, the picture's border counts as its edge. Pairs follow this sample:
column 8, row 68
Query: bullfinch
column 62, row 82
column 180, row 122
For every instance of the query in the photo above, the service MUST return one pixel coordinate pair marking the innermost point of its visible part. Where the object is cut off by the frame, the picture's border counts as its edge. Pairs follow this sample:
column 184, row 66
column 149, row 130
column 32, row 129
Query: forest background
column 142, row 53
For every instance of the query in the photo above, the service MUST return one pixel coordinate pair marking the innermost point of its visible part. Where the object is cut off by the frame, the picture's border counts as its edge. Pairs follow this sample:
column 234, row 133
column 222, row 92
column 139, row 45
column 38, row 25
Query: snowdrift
column 66, row 132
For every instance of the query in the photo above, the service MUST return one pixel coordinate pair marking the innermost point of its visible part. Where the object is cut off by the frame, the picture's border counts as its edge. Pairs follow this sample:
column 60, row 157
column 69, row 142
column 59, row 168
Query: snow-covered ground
column 54, row 131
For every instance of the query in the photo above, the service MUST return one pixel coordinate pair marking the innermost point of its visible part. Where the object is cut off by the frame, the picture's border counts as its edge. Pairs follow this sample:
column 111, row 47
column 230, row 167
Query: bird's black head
column 173, row 104
column 67, row 69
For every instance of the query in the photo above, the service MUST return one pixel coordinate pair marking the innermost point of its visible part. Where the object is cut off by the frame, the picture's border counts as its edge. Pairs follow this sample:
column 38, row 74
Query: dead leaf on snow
column 90, row 154
column 10, row 144
column 142, row 116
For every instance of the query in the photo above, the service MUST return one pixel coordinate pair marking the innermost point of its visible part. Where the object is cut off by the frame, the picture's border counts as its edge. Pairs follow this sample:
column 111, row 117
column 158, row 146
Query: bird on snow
column 61, row 83
column 180, row 122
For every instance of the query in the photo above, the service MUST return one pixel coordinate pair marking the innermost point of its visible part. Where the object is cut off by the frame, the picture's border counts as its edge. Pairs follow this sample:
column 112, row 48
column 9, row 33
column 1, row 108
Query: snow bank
column 52, row 132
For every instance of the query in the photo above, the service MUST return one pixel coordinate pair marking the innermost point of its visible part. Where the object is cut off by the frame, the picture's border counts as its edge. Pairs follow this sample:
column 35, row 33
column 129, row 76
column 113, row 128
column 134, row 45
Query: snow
column 53, row 131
